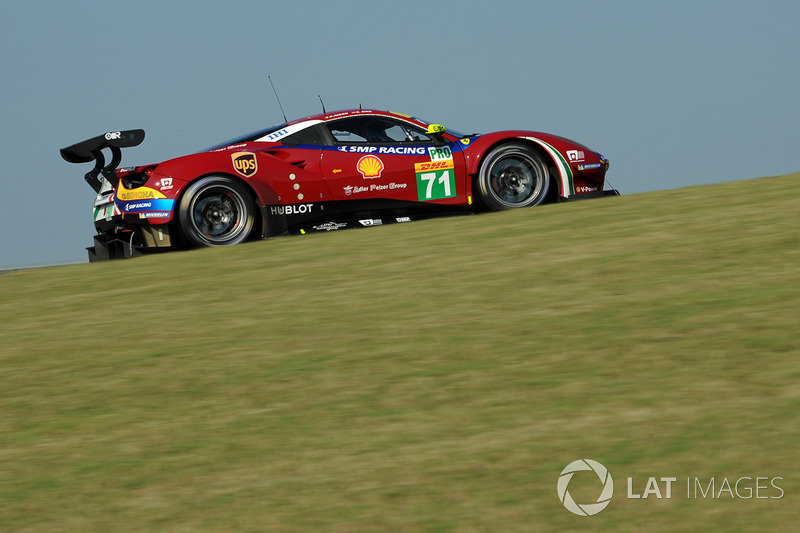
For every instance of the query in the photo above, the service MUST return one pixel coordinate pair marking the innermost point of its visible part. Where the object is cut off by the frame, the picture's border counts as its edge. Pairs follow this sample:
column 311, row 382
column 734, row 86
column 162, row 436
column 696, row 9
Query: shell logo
column 370, row 167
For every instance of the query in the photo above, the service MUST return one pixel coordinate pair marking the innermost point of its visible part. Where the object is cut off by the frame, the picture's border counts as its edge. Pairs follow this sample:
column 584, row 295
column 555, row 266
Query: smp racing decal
column 383, row 150
column 245, row 163
column 157, row 205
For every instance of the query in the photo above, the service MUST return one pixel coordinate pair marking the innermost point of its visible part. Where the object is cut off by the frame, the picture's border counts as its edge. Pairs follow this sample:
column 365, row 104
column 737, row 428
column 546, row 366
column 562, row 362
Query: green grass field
column 432, row 376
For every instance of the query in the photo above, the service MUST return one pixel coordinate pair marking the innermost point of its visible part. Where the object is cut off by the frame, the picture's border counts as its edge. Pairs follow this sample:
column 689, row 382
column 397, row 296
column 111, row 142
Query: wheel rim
column 217, row 214
column 515, row 179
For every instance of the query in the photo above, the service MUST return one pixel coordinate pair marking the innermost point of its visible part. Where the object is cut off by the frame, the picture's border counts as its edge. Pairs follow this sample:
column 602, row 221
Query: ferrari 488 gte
column 323, row 173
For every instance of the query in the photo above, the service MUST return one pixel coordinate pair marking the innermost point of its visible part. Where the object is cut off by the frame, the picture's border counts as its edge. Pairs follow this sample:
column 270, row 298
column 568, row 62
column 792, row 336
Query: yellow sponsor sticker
column 140, row 193
column 431, row 166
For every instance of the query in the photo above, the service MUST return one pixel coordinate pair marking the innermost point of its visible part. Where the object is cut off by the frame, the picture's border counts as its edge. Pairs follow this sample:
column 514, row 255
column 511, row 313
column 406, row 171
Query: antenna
column 278, row 99
column 323, row 103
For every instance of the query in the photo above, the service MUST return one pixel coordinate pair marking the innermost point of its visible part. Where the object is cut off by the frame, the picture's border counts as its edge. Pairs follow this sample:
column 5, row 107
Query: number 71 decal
column 435, row 180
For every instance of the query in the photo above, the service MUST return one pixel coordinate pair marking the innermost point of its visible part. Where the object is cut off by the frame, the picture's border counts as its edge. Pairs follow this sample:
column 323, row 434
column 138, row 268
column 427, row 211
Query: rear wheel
column 513, row 175
column 216, row 211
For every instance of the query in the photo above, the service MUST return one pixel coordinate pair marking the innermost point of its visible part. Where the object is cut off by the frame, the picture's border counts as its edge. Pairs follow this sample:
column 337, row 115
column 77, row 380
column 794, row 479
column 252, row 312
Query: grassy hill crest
column 433, row 376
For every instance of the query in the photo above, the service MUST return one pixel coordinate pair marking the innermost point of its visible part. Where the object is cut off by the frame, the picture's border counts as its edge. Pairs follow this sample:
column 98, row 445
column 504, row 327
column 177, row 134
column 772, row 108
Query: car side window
column 402, row 133
column 348, row 131
column 311, row 136
column 375, row 130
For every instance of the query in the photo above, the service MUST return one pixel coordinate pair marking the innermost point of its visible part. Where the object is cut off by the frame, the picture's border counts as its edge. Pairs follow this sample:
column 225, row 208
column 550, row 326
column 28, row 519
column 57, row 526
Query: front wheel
column 513, row 175
column 216, row 211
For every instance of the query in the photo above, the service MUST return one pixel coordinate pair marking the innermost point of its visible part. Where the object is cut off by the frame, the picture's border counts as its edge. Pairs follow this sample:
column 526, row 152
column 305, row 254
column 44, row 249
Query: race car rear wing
column 92, row 150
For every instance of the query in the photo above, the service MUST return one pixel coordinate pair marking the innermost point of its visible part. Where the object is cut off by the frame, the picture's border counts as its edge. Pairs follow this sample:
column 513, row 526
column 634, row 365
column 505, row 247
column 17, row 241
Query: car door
column 381, row 158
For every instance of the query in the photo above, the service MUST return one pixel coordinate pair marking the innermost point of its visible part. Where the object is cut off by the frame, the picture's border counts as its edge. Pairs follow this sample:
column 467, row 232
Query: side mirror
column 435, row 132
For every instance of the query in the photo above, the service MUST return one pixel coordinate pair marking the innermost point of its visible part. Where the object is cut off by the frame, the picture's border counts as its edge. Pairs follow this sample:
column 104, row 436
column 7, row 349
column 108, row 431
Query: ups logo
column 245, row 163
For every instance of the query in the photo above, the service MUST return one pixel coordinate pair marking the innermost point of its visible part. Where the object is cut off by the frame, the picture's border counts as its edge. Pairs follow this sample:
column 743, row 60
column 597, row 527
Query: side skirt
column 330, row 216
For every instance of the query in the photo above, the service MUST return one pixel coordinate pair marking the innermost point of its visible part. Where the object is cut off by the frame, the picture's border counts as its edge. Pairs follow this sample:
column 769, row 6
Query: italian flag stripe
column 565, row 173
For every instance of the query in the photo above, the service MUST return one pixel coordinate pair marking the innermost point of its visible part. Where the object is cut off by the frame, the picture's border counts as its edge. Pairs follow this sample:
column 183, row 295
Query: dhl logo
column 245, row 163
column 428, row 166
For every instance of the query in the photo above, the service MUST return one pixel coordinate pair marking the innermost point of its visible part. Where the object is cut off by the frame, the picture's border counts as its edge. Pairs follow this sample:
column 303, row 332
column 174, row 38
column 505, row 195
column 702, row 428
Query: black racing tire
column 216, row 211
column 512, row 175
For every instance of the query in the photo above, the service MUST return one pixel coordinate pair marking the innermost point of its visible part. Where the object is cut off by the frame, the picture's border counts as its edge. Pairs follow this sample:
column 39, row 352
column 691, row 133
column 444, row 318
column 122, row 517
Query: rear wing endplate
column 92, row 150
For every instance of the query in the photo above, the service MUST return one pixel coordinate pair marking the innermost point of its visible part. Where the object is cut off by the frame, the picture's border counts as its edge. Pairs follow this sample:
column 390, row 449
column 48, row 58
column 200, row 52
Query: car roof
column 277, row 131
column 324, row 117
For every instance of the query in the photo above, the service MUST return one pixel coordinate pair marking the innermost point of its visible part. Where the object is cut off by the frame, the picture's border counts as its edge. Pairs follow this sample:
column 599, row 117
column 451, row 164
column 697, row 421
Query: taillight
column 134, row 177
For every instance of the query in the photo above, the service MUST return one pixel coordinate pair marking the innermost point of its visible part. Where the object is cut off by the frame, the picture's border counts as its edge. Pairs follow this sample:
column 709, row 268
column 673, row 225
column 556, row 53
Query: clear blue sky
column 674, row 93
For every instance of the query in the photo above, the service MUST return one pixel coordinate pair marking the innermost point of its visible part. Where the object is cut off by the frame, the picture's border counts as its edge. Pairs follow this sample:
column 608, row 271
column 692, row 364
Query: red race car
column 322, row 173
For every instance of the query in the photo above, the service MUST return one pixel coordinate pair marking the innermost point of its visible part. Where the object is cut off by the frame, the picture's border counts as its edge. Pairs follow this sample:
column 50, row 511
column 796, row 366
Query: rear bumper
column 125, row 232
column 108, row 246
column 124, row 242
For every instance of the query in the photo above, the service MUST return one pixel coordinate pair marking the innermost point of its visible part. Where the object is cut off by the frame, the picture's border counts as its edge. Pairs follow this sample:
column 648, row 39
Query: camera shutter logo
column 587, row 509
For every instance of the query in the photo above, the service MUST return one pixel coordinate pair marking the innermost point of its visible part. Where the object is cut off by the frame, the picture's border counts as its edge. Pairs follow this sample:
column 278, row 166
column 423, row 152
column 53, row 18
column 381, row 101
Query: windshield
column 246, row 138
